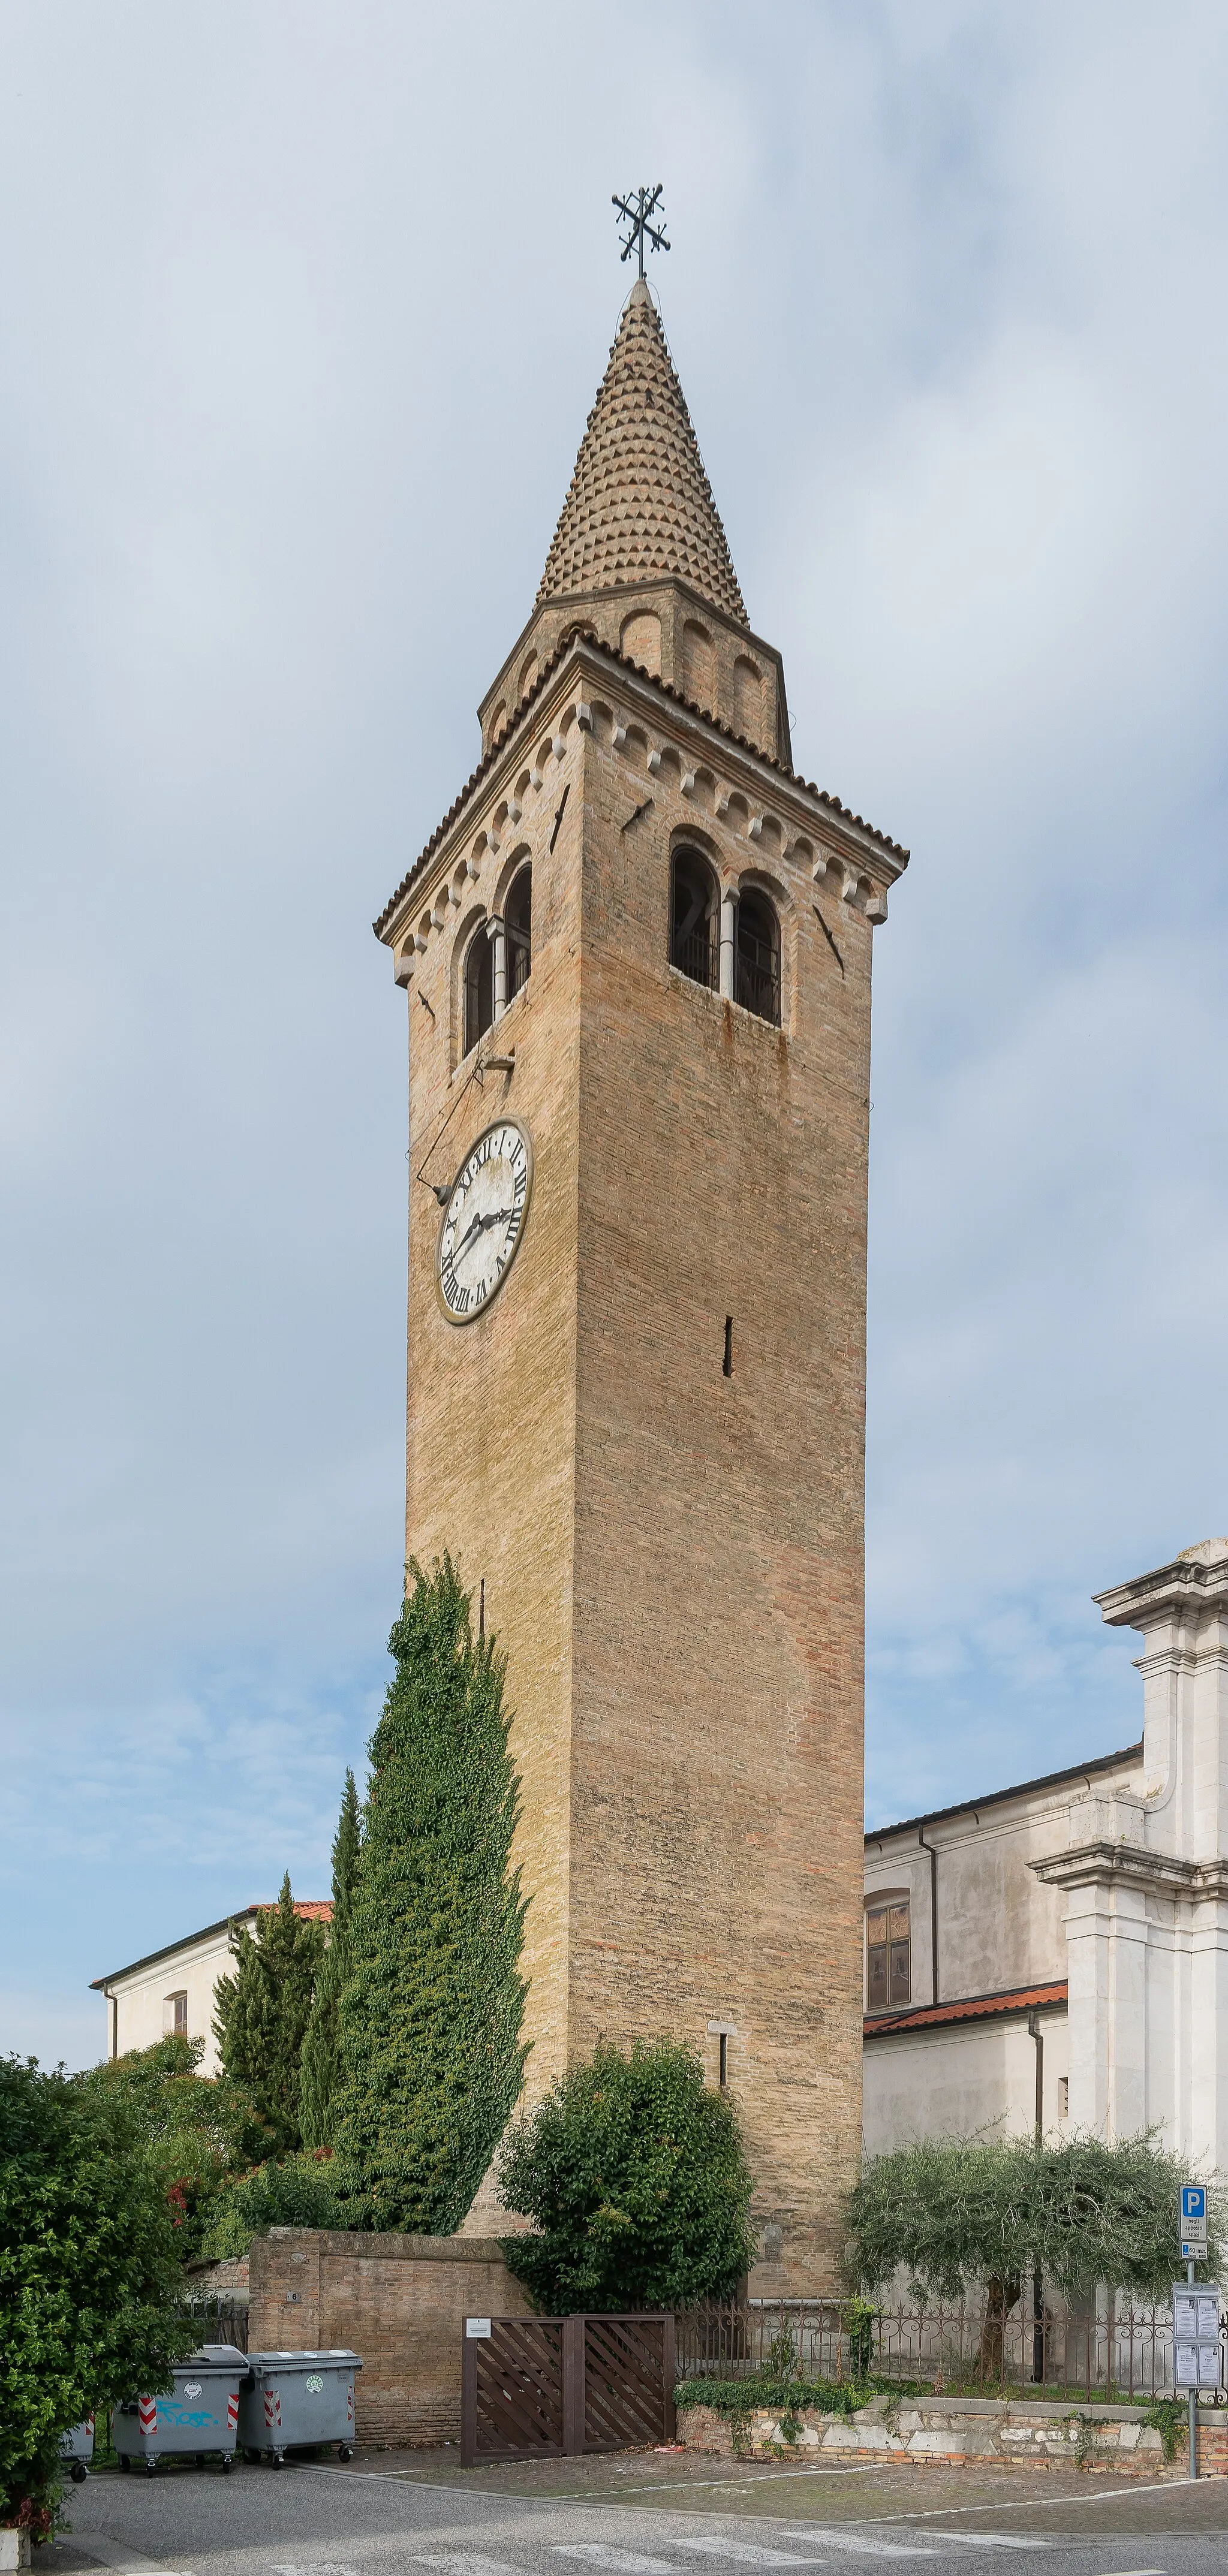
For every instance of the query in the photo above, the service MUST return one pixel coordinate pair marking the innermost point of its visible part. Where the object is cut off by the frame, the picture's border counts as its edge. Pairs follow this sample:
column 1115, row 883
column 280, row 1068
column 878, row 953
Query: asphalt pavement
column 640, row 2514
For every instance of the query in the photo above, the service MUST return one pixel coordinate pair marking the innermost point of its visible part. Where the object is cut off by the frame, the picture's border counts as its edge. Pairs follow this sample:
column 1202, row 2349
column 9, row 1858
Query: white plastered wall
column 964, row 2076
column 141, row 1995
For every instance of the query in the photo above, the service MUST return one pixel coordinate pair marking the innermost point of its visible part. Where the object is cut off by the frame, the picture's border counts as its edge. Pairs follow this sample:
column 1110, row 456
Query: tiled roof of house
column 1014, row 1999
column 640, row 504
column 319, row 1909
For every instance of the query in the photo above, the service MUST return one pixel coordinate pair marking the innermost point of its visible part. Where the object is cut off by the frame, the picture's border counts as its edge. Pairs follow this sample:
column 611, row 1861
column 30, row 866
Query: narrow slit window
column 518, row 915
column 724, row 2059
column 727, row 1362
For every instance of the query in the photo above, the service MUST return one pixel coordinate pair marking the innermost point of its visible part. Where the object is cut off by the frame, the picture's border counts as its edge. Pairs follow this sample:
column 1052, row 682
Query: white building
column 1059, row 1951
column 174, row 1989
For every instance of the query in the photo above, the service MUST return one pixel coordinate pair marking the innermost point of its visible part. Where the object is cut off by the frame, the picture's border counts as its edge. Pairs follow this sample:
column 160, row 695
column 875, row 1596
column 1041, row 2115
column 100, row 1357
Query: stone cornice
column 1186, row 1584
column 1113, row 1864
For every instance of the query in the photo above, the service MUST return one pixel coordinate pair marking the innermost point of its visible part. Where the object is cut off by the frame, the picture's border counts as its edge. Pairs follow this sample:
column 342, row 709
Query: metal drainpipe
column 928, row 1847
column 1036, row 2035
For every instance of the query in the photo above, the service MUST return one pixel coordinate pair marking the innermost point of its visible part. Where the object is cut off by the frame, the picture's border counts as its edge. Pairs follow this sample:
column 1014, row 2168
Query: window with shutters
column 888, row 1965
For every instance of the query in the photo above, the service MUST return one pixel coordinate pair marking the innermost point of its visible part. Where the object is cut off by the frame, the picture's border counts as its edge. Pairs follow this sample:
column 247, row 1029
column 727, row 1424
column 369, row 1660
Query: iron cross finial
column 635, row 211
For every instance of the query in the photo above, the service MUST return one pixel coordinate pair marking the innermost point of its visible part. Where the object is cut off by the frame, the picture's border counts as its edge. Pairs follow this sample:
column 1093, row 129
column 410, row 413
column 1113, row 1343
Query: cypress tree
column 321, row 2068
column 261, row 2013
column 431, row 2012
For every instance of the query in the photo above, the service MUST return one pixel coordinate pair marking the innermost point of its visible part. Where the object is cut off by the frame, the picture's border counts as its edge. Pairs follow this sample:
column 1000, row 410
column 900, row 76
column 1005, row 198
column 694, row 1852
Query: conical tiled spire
column 640, row 505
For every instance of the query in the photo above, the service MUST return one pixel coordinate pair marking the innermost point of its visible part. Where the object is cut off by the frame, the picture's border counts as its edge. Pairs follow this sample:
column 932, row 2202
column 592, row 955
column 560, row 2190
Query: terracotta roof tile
column 1015, row 1999
column 640, row 504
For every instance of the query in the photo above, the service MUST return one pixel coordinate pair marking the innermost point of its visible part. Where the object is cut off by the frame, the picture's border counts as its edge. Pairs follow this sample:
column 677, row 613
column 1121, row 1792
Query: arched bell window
column 479, row 986
column 757, row 962
column 694, row 919
column 518, row 918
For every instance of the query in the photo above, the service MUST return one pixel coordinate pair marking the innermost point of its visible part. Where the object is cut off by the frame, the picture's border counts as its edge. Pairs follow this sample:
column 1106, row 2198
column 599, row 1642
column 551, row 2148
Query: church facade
column 1055, row 1956
column 637, row 957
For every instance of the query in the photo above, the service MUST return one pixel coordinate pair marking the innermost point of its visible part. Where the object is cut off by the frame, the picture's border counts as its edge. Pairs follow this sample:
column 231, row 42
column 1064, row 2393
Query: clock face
column 484, row 1220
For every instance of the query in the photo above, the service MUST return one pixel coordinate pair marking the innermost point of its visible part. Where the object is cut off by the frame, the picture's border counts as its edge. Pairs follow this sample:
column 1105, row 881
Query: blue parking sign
column 1193, row 2200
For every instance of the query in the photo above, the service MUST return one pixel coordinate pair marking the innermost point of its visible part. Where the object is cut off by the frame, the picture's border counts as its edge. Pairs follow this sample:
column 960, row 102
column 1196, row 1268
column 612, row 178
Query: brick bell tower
column 637, row 959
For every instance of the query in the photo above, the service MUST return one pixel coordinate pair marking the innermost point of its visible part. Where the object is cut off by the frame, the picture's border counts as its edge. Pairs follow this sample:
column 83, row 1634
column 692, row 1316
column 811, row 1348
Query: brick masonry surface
column 400, row 2302
column 673, row 1558
column 955, row 2433
column 221, row 2280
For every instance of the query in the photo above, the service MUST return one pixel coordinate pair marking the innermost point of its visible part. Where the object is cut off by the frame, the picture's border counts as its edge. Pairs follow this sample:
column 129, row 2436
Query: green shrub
column 633, row 2171
column 89, row 2275
column 860, row 2321
column 1169, row 2417
column 295, row 2191
column 199, row 2130
column 742, row 2397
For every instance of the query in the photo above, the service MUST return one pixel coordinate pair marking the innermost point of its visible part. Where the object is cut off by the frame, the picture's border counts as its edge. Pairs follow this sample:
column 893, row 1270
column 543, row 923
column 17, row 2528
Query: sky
column 302, row 309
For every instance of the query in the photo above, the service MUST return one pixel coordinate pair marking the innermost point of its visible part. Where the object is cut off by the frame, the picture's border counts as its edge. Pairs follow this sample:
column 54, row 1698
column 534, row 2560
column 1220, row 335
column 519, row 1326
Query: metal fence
column 1109, row 2349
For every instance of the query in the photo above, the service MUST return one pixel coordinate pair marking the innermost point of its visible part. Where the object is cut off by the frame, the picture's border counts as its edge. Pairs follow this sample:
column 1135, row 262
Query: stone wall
column 398, row 2301
column 953, row 2431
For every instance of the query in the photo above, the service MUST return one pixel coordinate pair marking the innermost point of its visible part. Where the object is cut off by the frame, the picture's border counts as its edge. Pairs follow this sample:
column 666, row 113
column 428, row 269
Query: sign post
column 1193, row 2311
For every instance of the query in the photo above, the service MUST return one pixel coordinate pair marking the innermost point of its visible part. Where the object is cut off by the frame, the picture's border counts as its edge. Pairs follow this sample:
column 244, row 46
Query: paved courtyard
column 641, row 2514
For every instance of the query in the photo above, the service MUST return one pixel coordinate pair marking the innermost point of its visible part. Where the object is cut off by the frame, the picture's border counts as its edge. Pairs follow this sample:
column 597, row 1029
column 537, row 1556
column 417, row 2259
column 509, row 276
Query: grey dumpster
column 200, row 2416
column 290, row 2399
column 77, row 2448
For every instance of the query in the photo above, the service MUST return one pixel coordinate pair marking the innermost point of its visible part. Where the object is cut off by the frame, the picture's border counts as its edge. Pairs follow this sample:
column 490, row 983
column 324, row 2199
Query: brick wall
column 398, row 2301
column 672, row 1558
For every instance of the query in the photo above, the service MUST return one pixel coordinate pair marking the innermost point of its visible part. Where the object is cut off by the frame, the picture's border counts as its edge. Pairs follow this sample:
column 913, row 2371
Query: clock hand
column 497, row 1216
column 467, row 1237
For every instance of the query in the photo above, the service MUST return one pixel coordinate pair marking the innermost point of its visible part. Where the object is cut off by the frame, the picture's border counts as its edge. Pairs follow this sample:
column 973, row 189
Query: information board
column 1198, row 2351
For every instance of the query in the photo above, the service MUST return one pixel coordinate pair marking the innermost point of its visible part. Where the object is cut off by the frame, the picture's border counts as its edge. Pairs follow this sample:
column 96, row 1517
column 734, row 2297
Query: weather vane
column 635, row 211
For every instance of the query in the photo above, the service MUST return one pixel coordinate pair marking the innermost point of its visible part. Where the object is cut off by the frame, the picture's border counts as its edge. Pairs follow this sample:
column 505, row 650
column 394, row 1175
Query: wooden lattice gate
column 537, row 2387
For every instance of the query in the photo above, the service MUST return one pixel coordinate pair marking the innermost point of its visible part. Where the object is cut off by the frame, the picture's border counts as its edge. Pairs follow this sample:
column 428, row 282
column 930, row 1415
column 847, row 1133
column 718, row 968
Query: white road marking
column 751, row 2556
column 461, row 2562
column 993, row 2540
column 624, row 2562
column 1038, row 2504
